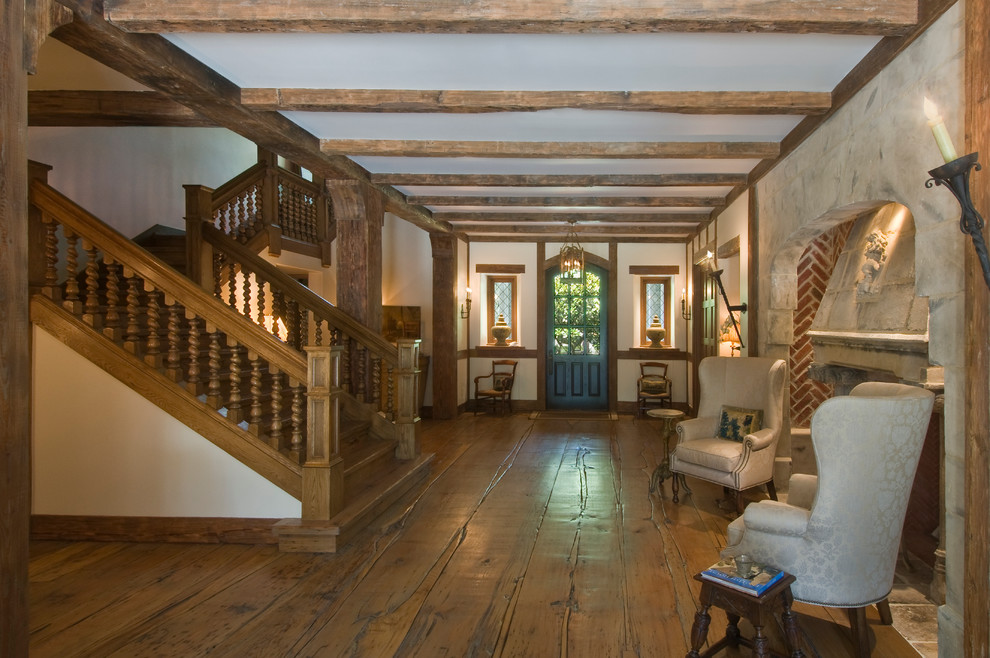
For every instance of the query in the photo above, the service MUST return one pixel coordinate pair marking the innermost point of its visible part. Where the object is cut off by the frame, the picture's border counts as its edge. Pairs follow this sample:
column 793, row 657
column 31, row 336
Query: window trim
column 668, row 282
column 490, row 281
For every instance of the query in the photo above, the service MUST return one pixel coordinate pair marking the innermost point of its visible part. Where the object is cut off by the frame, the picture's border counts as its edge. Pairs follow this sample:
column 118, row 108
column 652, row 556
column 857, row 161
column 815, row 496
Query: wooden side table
column 670, row 418
column 759, row 610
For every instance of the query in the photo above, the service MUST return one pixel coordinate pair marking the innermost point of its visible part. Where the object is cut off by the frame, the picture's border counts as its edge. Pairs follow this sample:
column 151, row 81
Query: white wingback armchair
column 839, row 532
column 750, row 383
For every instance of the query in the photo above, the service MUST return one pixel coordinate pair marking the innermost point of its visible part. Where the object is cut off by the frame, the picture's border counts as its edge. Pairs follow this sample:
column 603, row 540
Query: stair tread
column 385, row 490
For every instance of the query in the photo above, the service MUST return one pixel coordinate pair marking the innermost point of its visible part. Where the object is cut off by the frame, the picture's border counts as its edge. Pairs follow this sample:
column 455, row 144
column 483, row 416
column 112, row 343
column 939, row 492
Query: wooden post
column 323, row 472
column 976, row 622
column 15, row 329
column 199, row 255
column 444, row 321
column 407, row 405
column 36, row 234
column 324, row 235
column 270, row 201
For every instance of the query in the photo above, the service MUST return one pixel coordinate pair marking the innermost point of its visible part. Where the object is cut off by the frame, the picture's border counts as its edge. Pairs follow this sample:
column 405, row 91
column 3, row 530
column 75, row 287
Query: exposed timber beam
column 654, row 218
column 572, row 201
column 461, row 101
column 799, row 16
column 110, row 108
column 560, row 180
column 156, row 63
column 638, row 239
column 485, row 149
column 562, row 229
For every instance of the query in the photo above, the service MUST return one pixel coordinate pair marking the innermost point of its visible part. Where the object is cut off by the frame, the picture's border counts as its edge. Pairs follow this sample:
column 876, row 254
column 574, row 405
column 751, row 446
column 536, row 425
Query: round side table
column 670, row 418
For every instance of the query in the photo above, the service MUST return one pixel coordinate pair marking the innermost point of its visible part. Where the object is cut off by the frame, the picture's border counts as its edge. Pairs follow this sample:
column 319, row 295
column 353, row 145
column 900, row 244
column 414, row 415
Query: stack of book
column 760, row 577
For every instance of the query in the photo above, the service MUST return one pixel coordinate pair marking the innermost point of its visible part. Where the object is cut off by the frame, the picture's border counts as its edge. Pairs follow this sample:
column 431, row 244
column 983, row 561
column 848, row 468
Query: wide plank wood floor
column 530, row 538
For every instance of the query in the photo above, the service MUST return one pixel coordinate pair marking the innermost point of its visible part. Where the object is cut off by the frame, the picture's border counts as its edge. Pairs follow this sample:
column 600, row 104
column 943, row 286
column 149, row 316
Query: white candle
column 939, row 131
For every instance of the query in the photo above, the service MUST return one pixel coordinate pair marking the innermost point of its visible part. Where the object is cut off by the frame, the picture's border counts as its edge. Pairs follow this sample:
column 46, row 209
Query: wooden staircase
column 317, row 404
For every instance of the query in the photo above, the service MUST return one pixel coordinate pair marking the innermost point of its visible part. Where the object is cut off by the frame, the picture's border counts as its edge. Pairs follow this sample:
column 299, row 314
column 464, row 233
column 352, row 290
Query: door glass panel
column 577, row 316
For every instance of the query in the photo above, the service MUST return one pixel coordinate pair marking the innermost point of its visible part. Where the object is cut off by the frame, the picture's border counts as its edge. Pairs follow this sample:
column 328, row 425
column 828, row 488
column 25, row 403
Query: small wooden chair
column 499, row 392
column 653, row 385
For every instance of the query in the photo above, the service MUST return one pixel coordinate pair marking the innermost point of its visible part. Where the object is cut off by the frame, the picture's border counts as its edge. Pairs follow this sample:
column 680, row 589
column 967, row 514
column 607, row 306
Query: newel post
column 199, row 254
column 323, row 471
column 407, row 411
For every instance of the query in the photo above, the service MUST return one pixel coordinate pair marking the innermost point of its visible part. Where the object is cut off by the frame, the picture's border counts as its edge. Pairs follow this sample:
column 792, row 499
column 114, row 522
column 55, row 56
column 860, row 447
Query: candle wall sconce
column 955, row 176
column 466, row 306
column 685, row 308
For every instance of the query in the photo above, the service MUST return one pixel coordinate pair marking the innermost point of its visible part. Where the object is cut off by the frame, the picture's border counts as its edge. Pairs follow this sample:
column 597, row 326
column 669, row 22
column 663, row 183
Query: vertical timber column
column 359, row 212
column 15, row 359
column 976, row 621
column 444, row 322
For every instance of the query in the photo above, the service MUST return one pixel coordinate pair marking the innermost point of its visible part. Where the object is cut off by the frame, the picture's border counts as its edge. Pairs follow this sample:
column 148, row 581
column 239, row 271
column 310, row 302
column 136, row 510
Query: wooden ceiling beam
column 562, row 229
column 653, row 218
column 571, row 201
column 110, row 108
column 888, row 17
column 462, row 101
column 638, row 239
column 560, row 180
column 157, row 64
column 489, row 149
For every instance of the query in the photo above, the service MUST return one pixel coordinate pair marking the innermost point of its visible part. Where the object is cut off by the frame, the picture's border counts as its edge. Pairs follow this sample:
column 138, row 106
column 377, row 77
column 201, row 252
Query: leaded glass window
column 654, row 300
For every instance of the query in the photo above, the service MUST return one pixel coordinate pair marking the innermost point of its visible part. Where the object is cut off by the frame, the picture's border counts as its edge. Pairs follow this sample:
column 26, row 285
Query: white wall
column 132, row 178
column 407, row 278
column 99, row 448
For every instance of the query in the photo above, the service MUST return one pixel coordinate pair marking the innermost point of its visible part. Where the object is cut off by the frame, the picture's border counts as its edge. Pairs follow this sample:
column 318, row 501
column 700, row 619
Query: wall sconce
column 685, row 309
column 954, row 174
column 466, row 306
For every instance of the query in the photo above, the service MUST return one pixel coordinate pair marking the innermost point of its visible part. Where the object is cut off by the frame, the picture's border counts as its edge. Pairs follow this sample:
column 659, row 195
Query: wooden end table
column 670, row 418
column 759, row 610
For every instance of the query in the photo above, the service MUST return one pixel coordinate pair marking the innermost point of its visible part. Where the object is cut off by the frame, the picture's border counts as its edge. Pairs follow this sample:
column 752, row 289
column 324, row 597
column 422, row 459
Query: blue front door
column 577, row 370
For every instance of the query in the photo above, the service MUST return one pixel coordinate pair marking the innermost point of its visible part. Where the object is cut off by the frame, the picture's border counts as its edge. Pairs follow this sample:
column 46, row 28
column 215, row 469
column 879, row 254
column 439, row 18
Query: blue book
column 760, row 578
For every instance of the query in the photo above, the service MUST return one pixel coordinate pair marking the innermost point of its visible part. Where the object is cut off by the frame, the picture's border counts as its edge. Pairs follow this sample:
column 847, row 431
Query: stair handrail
column 90, row 228
column 308, row 299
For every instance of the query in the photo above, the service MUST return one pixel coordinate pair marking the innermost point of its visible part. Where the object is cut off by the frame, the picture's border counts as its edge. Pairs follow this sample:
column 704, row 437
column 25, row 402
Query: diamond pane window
column 654, row 300
column 502, row 301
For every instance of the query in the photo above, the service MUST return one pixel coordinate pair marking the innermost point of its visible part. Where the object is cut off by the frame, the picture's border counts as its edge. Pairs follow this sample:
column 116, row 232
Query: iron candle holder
column 955, row 176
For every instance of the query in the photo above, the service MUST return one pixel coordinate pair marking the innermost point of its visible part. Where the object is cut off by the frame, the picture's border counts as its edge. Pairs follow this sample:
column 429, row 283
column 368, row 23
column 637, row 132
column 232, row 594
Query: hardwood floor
column 530, row 538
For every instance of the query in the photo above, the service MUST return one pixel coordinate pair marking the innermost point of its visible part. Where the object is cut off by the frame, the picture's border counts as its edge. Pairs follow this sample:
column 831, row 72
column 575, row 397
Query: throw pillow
column 653, row 385
column 735, row 422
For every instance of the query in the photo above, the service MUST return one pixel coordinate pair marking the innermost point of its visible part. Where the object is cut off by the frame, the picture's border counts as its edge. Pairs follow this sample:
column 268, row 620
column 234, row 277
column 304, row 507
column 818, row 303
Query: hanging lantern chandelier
column 571, row 257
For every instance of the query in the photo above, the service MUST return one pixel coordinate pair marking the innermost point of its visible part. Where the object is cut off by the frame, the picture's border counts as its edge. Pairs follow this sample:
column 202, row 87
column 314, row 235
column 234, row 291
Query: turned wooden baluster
column 298, row 420
column 294, row 336
column 193, row 376
column 91, row 309
column 218, row 259
column 70, row 299
column 345, row 362
column 319, row 332
column 254, row 423
column 246, row 293
column 260, row 316
column 173, row 368
column 235, row 413
column 303, row 328
column 275, row 431
column 362, row 373
column 231, row 285
column 390, row 392
column 153, row 352
column 376, row 383
column 132, row 332
column 51, row 289
column 213, row 390
column 111, row 320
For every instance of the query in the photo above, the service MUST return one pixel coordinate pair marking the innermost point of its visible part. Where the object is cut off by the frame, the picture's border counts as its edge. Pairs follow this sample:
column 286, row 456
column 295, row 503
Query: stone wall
column 878, row 149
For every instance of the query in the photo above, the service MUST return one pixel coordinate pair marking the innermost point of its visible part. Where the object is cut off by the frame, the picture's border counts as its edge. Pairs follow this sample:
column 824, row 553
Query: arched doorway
column 577, row 340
